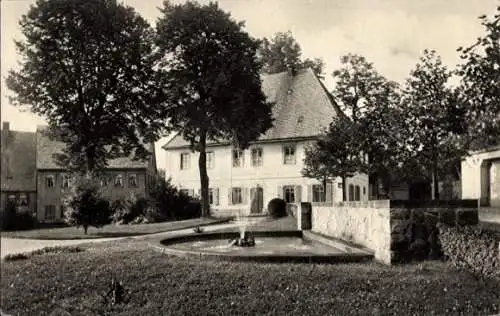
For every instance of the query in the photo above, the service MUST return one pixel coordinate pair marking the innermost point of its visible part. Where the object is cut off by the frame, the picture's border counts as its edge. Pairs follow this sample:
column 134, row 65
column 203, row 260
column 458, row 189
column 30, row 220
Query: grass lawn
column 72, row 284
column 109, row 230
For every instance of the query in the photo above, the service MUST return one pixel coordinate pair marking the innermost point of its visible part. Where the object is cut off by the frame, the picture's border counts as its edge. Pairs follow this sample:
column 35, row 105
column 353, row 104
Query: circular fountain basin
column 282, row 246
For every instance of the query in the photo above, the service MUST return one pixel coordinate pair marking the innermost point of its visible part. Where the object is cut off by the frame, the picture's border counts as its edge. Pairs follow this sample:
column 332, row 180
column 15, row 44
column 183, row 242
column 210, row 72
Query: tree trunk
column 435, row 181
column 85, row 229
column 344, row 189
column 202, row 165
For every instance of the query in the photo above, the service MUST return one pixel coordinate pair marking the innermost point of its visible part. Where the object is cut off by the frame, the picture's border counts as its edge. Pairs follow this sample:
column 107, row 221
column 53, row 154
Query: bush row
column 472, row 248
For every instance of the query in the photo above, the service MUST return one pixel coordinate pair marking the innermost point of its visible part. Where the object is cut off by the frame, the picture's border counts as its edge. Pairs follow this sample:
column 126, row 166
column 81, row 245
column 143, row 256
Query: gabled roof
column 18, row 168
column 46, row 148
column 303, row 107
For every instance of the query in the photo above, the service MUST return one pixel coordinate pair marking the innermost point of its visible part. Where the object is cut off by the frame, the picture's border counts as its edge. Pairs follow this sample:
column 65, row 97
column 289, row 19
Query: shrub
column 277, row 208
column 168, row 199
column 86, row 207
column 131, row 210
column 472, row 248
column 191, row 210
column 12, row 219
column 45, row 250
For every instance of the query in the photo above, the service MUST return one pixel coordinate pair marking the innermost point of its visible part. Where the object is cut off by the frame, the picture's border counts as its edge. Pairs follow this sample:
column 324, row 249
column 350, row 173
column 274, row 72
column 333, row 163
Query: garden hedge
column 472, row 248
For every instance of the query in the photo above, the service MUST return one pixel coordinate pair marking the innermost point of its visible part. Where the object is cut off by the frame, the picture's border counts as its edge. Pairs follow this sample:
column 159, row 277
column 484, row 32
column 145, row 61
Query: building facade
column 480, row 176
column 32, row 178
column 18, row 169
column 244, row 181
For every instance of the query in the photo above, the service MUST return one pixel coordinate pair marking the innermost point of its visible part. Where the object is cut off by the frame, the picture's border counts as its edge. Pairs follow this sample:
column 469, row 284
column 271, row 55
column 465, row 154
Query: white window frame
column 238, row 162
column 257, row 154
column 289, row 189
column 318, row 190
column 210, row 159
column 66, row 181
column 119, row 181
column 50, row 179
column 236, row 195
column 288, row 158
column 104, row 181
column 132, row 181
column 185, row 161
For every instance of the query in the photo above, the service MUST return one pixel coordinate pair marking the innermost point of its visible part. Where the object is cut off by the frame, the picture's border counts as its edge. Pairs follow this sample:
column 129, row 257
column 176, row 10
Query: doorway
column 257, row 200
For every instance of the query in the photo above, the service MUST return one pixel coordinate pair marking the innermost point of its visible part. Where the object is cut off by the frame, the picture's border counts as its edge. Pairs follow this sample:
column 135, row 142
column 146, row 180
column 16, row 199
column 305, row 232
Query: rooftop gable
column 46, row 148
column 302, row 107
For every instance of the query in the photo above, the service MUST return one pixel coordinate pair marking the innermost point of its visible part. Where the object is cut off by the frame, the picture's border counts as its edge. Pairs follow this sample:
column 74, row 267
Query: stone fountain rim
column 163, row 246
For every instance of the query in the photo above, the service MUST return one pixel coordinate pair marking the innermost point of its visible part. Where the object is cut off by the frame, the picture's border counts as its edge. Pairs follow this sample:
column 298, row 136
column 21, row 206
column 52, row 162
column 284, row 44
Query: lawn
column 72, row 284
column 110, row 230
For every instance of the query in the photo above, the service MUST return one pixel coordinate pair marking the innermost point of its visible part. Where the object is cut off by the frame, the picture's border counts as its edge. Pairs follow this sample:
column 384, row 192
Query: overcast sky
column 390, row 33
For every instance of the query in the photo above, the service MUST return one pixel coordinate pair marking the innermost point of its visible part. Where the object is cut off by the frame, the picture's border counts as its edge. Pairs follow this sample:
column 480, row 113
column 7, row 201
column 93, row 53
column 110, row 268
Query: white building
column 481, row 176
column 272, row 166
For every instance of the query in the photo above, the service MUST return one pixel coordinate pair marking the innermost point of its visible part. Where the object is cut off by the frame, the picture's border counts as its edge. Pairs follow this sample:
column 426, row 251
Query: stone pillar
column 299, row 216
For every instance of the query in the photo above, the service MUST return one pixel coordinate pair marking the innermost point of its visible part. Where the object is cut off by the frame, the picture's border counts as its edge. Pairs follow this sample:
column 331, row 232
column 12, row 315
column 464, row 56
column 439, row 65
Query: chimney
column 5, row 126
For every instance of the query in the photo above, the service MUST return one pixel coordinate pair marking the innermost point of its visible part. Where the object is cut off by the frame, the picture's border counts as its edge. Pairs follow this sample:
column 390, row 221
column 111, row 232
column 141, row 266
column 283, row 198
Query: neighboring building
column 31, row 176
column 481, row 176
column 122, row 178
column 18, row 169
column 272, row 166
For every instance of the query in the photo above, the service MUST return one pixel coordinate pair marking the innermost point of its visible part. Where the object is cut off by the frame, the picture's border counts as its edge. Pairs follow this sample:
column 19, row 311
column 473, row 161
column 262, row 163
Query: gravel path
column 15, row 245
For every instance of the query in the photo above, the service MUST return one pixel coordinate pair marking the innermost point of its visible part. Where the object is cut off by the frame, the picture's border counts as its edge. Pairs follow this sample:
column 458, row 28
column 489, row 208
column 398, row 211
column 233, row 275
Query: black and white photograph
column 250, row 157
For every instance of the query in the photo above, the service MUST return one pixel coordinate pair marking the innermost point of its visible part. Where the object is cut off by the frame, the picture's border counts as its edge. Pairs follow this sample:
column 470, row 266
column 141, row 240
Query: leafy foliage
column 282, row 52
column 373, row 102
column 480, row 88
column 336, row 153
column 11, row 219
column 434, row 116
column 472, row 248
column 167, row 198
column 208, row 65
column 87, row 70
column 86, row 207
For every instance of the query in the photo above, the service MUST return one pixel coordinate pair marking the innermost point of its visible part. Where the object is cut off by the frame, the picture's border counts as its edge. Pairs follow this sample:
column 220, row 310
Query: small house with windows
column 244, row 181
column 18, row 169
column 122, row 178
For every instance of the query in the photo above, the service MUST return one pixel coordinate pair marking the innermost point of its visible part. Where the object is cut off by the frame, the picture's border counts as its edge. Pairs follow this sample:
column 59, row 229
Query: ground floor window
column 236, row 196
column 318, row 191
column 289, row 193
column 50, row 212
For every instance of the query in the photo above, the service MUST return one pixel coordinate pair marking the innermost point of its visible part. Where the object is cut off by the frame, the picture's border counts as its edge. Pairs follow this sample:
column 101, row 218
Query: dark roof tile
column 303, row 107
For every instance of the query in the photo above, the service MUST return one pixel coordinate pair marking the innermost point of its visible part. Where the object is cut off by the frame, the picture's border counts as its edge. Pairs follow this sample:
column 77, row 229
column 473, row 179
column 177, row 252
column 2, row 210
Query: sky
column 391, row 34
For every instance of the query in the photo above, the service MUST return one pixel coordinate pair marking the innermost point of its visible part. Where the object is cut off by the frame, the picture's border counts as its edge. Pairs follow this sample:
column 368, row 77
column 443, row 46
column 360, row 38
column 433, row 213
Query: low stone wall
column 397, row 231
column 364, row 223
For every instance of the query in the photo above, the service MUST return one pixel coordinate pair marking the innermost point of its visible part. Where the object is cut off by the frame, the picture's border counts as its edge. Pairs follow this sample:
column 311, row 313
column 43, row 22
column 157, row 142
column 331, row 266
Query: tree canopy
column 209, row 67
column 282, row 52
column 336, row 153
column 480, row 84
column 87, row 69
column 434, row 115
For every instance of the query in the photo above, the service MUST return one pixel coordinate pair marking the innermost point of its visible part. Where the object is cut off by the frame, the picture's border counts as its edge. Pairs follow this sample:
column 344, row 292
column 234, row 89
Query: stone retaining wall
column 396, row 231
column 364, row 223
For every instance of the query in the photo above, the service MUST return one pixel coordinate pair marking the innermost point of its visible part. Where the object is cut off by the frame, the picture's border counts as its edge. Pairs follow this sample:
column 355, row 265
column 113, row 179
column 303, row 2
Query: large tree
column 434, row 116
column 480, row 84
column 86, row 69
column 210, row 69
column 282, row 52
column 372, row 102
column 336, row 153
